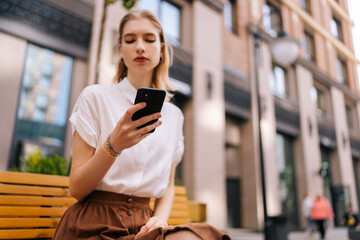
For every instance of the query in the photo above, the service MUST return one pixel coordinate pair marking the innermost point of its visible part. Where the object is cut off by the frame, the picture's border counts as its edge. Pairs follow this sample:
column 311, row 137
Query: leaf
column 54, row 164
column 129, row 4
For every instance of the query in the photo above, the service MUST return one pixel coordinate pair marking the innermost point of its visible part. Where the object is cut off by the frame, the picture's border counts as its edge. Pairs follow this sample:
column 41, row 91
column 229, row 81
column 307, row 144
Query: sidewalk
column 331, row 234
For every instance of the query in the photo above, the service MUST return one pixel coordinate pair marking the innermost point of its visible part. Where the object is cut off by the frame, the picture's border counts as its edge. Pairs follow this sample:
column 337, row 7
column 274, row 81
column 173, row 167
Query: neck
column 140, row 80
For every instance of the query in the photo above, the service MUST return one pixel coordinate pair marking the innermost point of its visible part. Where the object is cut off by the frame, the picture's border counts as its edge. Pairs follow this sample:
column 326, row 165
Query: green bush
column 36, row 162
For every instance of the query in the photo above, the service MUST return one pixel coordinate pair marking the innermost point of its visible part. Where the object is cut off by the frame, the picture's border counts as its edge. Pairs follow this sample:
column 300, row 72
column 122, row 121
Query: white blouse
column 144, row 169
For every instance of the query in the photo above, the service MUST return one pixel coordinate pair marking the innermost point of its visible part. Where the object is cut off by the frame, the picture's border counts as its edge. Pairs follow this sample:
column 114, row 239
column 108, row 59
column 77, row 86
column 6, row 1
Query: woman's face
column 140, row 47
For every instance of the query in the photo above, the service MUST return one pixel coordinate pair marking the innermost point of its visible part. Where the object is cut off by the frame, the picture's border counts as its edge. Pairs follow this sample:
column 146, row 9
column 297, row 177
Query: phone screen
column 154, row 99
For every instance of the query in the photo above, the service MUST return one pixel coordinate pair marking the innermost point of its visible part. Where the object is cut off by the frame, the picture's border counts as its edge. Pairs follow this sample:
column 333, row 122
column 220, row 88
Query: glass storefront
column 287, row 185
column 43, row 103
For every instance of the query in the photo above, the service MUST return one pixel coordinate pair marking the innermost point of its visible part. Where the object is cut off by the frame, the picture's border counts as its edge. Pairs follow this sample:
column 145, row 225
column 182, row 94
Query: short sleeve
column 84, row 118
column 179, row 151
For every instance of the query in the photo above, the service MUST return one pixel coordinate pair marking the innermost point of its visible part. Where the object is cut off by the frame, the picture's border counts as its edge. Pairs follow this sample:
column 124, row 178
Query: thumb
column 141, row 232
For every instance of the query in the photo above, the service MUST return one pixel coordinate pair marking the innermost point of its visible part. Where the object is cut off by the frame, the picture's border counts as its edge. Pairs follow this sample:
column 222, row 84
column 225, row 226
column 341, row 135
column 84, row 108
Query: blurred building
column 310, row 110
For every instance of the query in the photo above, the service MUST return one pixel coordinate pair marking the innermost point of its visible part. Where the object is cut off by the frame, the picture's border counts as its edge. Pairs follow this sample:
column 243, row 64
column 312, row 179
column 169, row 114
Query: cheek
column 156, row 51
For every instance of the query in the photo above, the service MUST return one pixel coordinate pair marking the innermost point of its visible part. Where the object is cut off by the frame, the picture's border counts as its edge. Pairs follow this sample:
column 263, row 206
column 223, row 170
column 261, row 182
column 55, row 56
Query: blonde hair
column 160, row 77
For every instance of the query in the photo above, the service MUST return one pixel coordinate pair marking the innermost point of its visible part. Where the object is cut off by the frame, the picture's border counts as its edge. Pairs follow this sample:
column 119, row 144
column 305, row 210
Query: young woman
column 116, row 167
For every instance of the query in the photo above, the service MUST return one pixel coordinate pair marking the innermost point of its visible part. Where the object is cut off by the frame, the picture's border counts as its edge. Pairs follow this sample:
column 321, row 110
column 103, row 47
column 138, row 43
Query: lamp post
column 285, row 51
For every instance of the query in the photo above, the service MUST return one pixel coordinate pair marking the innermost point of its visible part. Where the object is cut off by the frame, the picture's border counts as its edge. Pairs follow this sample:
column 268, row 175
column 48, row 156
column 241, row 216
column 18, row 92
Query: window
column 271, row 19
column 309, row 45
column 230, row 16
column 47, row 66
column 335, row 27
column 349, row 117
column 43, row 107
column 341, row 70
column 286, row 171
column 320, row 96
column 278, row 82
column 27, row 79
column 233, row 172
column 305, row 4
column 42, row 100
column 169, row 15
column 45, row 81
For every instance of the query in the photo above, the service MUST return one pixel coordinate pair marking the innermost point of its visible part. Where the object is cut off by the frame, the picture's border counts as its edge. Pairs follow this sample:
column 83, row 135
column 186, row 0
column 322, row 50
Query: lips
column 140, row 59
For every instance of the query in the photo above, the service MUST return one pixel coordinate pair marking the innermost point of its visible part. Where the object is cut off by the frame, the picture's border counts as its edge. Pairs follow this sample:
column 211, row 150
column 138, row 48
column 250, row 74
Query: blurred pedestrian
column 306, row 207
column 320, row 212
column 118, row 164
column 350, row 219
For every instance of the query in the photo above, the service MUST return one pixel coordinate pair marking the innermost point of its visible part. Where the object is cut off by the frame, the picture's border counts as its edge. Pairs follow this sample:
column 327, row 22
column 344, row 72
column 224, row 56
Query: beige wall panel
column 235, row 52
column 331, row 60
column 78, row 82
column 251, row 195
column 321, row 56
column 94, row 40
column 357, row 109
column 12, row 57
column 251, row 200
column 309, row 161
column 209, row 117
column 343, row 147
column 268, row 132
column 107, row 65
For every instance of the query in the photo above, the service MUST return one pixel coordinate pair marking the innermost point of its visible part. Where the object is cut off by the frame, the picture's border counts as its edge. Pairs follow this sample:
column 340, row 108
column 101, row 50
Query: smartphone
column 154, row 99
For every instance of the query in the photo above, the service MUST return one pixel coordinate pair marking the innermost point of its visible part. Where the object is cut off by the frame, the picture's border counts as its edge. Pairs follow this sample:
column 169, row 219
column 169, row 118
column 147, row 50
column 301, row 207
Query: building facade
column 49, row 51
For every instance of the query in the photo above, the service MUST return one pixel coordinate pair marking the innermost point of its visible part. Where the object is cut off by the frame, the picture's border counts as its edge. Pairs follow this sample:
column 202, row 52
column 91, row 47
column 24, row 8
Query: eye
column 150, row 40
column 129, row 41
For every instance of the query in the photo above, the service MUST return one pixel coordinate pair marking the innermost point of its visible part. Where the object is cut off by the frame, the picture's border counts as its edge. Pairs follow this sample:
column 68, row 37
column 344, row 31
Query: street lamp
column 284, row 50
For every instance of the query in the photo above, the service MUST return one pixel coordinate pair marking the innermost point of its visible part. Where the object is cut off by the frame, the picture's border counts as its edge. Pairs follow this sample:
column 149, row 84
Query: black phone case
column 154, row 99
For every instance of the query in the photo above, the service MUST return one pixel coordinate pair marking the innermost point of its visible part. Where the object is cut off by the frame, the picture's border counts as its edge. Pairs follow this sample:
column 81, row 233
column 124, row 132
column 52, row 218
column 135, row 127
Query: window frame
column 274, row 10
column 172, row 40
column 306, row 5
column 309, row 39
column 339, row 29
column 233, row 10
column 342, row 71
column 275, row 91
column 327, row 111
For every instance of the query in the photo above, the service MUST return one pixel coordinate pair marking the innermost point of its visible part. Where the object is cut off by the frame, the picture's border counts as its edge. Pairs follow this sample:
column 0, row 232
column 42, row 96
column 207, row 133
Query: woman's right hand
column 126, row 134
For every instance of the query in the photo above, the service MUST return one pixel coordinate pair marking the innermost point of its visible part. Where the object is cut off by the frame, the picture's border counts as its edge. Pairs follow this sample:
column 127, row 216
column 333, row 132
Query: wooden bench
column 31, row 205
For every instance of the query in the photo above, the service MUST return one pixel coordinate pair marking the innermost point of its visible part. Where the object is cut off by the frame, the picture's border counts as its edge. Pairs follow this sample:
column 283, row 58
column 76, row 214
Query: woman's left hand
column 152, row 224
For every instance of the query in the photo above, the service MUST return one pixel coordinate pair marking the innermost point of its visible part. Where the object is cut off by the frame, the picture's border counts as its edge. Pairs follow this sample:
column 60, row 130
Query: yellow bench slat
column 180, row 207
column 180, row 190
column 32, row 190
column 23, row 194
column 178, row 221
column 26, row 233
column 28, row 222
column 182, row 199
column 179, row 214
column 34, row 179
column 36, row 201
column 7, row 211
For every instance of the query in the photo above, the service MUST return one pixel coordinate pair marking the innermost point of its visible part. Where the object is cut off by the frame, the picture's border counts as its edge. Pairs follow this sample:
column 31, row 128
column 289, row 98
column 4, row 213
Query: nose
column 140, row 48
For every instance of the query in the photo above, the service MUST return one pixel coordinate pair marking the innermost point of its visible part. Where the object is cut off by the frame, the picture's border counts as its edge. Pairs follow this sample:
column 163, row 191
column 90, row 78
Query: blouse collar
column 128, row 89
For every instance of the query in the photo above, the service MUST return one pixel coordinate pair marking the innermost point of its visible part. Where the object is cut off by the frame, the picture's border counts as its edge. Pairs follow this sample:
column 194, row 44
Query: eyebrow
column 145, row 35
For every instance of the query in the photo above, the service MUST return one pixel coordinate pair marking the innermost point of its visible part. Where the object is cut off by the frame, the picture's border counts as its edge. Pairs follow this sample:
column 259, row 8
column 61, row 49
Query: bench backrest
column 31, row 205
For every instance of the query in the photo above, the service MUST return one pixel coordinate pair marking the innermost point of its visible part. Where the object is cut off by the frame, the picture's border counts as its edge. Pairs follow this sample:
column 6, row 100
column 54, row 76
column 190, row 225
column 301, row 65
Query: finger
column 130, row 112
column 142, row 231
column 145, row 130
column 146, row 119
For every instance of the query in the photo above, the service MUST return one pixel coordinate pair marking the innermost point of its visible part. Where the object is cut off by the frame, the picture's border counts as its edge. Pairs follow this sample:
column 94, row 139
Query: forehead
column 140, row 26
